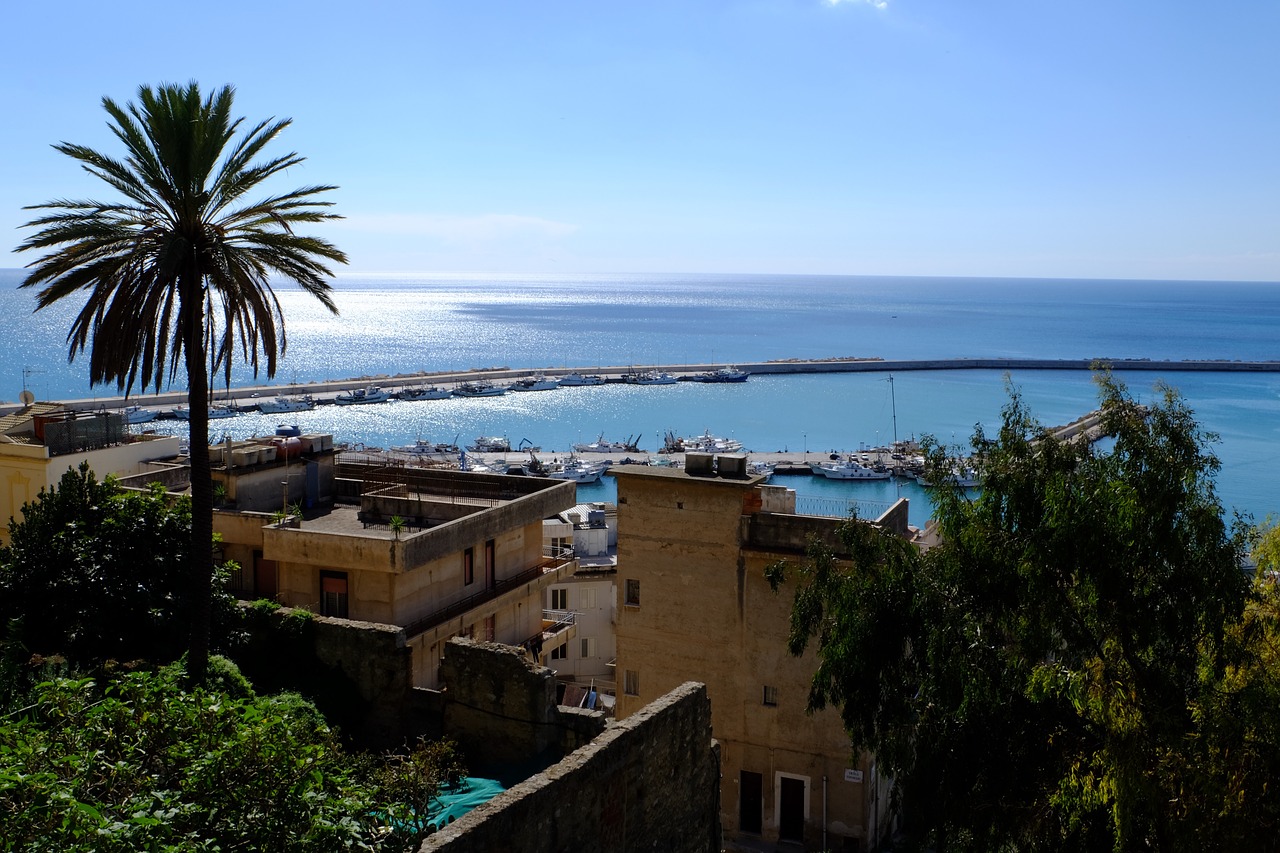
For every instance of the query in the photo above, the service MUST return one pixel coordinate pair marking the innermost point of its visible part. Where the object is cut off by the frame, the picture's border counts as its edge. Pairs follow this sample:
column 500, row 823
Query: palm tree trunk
column 201, row 482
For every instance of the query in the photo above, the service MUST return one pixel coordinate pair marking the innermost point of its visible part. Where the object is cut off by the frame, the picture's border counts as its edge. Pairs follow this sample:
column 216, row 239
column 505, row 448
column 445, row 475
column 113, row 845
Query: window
column 333, row 594
column 490, row 564
column 490, row 628
column 631, row 682
column 588, row 647
column 633, row 592
column 560, row 652
column 469, row 566
column 560, row 598
column 770, row 695
column 587, row 598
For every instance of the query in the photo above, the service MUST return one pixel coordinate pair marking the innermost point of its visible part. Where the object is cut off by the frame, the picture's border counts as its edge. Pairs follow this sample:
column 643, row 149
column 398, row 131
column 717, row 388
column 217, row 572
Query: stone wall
column 360, row 674
column 501, row 706
column 649, row 782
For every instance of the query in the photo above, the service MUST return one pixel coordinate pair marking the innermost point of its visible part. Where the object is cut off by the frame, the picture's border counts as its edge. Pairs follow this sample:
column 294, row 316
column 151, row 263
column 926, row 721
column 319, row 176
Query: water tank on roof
column 288, row 447
column 595, row 517
column 285, row 429
column 698, row 463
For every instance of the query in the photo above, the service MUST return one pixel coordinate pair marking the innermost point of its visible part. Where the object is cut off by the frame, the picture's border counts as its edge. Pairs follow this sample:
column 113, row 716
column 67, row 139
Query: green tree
column 95, row 572
column 177, row 273
column 1041, row 678
column 134, row 761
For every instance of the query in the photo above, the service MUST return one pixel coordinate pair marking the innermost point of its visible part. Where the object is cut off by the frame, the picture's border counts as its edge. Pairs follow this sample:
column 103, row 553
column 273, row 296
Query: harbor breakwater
column 325, row 390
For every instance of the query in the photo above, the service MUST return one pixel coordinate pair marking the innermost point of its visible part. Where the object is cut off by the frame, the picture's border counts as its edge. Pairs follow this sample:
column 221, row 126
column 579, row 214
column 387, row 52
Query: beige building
column 39, row 442
column 440, row 553
column 692, row 550
column 589, row 599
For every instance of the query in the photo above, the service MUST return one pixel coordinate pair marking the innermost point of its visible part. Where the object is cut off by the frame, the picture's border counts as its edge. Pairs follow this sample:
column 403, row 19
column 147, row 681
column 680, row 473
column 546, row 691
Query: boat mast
column 893, row 402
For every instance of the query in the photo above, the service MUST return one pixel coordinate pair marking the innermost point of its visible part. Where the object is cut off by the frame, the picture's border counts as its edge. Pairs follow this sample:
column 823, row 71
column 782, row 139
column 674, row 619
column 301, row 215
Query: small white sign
column 853, row 775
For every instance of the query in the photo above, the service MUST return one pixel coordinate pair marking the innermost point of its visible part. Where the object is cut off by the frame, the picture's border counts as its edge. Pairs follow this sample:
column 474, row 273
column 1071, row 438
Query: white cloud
column 879, row 4
column 458, row 229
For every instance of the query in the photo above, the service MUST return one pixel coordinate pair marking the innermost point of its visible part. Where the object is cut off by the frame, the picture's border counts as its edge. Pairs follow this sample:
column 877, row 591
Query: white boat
column 422, row 447
column 849, row 469
column 418, row 392
column 576, row 470
column 705, row 443
column 577, row 380
column 281, row 405
column 724, row 374
column 534, row 383
column 218, row 411
column 650, row 377
column 965, row 478
column 490, row 444
column 139, row 415
column 602, row 446
column 371, row 394
column 478, row 388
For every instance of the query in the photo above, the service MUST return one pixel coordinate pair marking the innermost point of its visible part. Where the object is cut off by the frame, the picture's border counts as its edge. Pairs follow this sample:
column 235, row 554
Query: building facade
column 695, row 604
column 41, row 441
column 438, row 553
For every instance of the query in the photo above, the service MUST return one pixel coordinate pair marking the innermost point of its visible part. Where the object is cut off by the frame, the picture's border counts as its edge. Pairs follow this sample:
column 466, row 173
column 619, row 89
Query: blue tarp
column 454, row 804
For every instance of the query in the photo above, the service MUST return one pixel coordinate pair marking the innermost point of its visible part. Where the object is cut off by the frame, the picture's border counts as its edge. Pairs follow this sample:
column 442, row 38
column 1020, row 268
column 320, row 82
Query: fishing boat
column 849, row 469
column 423, row 447
column 724, row 374
column 490, row 444
column 600, row 445
column 705, row 443
column 650, row 377
column 478, row 388
column 139, row 415
column 371, row 394
column 576, row 470
column 419, row 392
column 282, row 405
column 217, row 412
column 577, row 380
column 965, row 478
column 534, row 383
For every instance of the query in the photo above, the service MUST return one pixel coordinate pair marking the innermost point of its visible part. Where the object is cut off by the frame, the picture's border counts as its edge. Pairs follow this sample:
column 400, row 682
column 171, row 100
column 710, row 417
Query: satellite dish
column 27, row 397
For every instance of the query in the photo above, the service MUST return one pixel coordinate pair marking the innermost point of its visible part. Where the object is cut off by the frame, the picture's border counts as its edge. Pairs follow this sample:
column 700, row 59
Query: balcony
column 552, row 568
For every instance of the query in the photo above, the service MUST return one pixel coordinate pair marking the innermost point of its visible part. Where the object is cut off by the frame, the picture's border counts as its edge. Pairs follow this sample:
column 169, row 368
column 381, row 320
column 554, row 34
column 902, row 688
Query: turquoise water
column 392, row 325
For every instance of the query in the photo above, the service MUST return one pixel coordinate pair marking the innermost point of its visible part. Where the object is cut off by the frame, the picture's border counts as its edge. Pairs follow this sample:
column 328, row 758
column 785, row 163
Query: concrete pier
column 325, row 391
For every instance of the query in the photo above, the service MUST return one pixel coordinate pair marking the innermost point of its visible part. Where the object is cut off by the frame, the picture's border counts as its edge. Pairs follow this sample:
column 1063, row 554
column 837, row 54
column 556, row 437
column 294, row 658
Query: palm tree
column 177, row 273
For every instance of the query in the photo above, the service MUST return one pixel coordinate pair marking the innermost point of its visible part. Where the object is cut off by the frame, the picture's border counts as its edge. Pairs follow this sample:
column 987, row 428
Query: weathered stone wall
column 649, row 782
column 360, row 674
column 501, row 706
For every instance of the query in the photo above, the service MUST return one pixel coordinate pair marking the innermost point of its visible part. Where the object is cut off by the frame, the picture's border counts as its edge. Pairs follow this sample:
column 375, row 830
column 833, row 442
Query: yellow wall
column 707, row 614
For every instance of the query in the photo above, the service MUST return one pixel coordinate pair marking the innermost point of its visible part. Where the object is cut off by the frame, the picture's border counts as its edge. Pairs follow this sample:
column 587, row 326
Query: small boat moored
column 534, row 383
column 371, row 394
column 282, row 405
column 849, row 469
column 490, row 444
column 478, row 388
column 578, row 380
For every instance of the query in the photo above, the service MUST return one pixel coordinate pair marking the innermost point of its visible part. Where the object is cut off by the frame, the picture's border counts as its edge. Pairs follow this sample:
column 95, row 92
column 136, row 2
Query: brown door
column 490, row 564
column 791, row 810
column 264, row 577
column 750, row 801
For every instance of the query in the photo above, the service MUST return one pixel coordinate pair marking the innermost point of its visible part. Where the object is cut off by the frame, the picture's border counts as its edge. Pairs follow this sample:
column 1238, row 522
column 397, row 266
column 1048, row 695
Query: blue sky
column 1133, row 139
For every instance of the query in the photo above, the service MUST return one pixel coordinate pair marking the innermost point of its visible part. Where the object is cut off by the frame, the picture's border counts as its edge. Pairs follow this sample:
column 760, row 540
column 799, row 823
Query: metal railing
column 840, row 507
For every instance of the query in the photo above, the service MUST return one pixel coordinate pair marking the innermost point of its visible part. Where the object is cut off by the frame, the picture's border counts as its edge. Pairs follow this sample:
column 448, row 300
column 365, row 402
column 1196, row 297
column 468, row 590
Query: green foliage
column 95, row 572
column 136, row 762
column 1065, row 669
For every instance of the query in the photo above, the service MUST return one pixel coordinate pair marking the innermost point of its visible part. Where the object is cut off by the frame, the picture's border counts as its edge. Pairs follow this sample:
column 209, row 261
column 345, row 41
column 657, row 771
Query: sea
column 392, row 325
